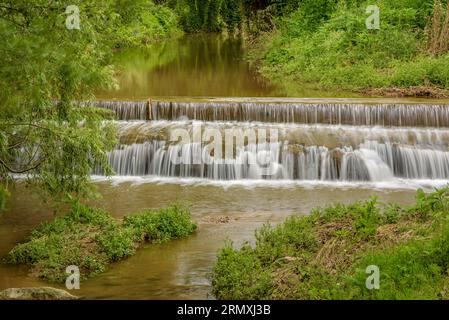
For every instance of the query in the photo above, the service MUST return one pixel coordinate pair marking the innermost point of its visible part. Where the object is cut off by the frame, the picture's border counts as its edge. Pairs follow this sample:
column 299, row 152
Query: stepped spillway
column 313, row 141
column 398, row 115
column 124, row 110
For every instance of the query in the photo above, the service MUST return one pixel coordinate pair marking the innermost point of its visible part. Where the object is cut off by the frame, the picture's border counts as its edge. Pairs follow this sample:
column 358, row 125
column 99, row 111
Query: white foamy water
column 318, row 144
column 398, row 184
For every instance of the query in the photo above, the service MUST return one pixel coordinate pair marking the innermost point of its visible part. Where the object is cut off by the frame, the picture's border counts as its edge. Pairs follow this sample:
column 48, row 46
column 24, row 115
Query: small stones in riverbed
column 218, row 219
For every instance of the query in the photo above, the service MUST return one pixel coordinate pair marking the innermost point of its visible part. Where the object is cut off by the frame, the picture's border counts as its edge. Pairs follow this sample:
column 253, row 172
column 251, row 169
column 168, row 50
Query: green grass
column 325, row 255
column 332, row 48
column 91, row 239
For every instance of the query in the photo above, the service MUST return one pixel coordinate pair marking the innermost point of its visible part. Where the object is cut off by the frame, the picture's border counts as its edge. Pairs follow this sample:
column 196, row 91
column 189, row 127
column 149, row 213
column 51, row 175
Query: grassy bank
column 325, row 43
column 325, row 255
column 91, row 239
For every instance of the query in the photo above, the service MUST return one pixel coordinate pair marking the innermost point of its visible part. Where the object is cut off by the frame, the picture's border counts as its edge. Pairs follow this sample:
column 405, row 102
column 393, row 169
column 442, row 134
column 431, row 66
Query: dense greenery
column 142, row 22
column 207, row 15
column 91, row 239
column 326, row 42
column 325, row 255
column 230, row 15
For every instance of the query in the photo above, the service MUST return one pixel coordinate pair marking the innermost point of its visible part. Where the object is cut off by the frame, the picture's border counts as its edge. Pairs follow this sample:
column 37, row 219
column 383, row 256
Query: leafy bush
column 160, row 226
column 142, row 22
column 242, row 276
column 118, row 242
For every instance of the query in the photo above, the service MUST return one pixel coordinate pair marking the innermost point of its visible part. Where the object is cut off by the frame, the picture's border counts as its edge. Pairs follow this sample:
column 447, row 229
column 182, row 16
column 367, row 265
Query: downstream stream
column 329, row 150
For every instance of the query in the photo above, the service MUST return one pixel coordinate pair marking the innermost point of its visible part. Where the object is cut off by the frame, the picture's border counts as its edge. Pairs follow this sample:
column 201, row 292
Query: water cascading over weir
column 315, row 141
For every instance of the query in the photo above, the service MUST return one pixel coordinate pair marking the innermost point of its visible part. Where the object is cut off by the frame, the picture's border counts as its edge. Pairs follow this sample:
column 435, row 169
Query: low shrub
column 163, row 225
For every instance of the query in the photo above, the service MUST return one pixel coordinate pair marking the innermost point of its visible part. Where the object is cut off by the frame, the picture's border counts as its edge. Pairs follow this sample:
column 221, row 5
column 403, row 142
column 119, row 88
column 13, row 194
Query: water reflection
column 200, row 65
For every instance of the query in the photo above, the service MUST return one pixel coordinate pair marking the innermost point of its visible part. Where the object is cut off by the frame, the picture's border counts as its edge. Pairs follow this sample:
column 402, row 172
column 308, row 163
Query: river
column 329, row 150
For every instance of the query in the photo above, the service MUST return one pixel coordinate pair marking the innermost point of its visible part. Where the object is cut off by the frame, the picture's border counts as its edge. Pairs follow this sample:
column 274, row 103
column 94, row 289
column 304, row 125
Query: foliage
column 438, row 29
column 327, row 43
column 325, row 255
column 415, row 270
column 241, row 277
column 208, row 15
column 141, row 22
column 46, row 68
column 160, row 226
column 91, row 239
column 43, row 61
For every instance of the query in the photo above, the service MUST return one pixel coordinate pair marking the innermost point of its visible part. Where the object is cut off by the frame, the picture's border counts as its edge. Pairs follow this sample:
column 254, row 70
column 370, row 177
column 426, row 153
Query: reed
column 438, row 29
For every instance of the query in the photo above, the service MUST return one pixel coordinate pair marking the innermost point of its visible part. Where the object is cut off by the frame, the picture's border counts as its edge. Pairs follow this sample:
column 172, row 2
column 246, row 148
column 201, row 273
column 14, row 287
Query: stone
column 38, row 293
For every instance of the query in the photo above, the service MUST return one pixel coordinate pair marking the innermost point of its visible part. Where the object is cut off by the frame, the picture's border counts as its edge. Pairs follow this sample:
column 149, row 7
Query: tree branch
column 7, row 167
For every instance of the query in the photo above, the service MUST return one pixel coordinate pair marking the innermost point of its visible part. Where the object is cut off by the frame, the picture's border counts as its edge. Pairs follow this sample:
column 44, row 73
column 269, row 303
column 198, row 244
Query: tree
column 45, row 135
column 232, row 14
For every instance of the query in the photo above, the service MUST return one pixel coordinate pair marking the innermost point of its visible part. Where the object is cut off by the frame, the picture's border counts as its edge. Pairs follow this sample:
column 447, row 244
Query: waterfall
column 124, row 110
column 368, row 163
column 399, row 115
column 413, row 163
column 365, row 164
column 329, row 135
column 315, row 142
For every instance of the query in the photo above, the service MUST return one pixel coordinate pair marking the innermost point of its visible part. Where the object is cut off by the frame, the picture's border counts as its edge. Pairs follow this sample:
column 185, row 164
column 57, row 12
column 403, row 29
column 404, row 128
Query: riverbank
column 331, row 254
column 332, row 49
column 91, row 239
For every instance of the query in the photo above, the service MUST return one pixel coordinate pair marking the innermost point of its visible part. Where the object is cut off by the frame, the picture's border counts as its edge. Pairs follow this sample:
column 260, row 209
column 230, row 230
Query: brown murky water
column 197, row 65
column 179, row 269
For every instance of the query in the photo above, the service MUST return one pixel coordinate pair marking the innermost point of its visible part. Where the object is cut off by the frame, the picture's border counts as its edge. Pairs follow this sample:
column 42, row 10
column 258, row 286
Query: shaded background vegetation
column 327, row 43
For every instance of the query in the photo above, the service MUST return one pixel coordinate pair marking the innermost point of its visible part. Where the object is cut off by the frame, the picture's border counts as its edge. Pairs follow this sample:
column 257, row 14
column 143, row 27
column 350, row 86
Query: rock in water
column 43, row 293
